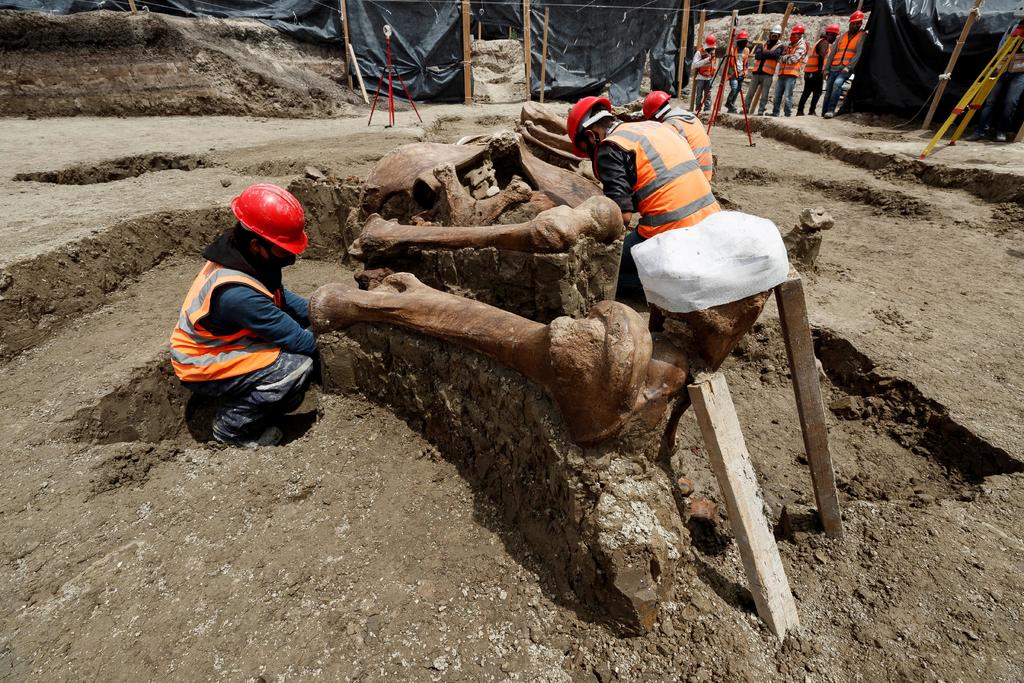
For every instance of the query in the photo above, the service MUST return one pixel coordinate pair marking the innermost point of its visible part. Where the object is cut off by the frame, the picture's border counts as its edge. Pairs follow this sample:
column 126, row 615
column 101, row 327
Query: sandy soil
column 133, row 551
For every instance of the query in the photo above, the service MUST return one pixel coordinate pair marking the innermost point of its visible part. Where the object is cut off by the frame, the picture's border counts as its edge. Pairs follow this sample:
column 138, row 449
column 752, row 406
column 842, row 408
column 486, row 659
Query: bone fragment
column 458, row 207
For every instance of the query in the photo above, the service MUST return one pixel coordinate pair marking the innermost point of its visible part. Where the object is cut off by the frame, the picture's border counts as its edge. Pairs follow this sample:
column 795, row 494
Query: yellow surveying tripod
column 978, row 92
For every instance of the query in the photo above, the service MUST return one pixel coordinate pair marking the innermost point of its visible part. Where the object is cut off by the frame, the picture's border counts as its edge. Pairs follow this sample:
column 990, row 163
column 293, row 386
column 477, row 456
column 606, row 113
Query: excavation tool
column 390, row 72
column 979, row 91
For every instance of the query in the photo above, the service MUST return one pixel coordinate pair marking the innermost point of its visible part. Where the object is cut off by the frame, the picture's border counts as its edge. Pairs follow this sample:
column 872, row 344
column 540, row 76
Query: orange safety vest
column 689, row 126
column 708, row 69
column 766, row 66
column 846, row 48
column 740, row 64
column 673, row 192
column 198, row 355
column 791, row 68
column 813, row 64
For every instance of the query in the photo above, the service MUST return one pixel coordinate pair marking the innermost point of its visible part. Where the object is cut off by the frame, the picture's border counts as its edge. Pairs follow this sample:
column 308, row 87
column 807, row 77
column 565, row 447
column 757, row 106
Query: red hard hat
column 856, row 16
column 742, row 35
column 710, row 40
column 799, row 28
column 273, row 213
column 832, row 28
column 577, row 119
column 655, row 101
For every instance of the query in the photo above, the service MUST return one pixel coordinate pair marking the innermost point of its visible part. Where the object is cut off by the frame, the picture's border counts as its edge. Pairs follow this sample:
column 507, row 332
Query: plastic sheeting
column 309, row 20
column 908, row 45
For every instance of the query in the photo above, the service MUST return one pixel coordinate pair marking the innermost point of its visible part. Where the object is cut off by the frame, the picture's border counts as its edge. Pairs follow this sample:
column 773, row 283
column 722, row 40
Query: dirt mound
column 113, row 63
column 754, row 23
column 499, row 74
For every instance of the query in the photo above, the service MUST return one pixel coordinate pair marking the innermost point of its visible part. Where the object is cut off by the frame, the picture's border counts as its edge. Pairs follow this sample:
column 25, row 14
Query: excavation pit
column 118, row 169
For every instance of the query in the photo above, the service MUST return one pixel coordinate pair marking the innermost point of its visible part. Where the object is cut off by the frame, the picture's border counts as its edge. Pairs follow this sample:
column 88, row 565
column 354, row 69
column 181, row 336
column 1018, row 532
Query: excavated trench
column 118, row 169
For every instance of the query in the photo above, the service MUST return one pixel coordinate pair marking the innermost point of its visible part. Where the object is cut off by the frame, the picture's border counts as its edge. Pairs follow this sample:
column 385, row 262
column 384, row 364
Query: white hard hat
column 776, row 29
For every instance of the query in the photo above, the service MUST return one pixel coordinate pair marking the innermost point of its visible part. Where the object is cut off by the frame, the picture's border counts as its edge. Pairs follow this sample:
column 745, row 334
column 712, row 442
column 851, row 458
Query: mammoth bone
column 553, row 231
column 601, row 370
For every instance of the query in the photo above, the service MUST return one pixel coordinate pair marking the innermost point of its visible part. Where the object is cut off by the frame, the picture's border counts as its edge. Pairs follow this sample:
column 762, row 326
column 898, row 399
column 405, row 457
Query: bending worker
column 657, row 107
column 241, row 337
column 842, row 60
column 766, row 58
column 645, row 168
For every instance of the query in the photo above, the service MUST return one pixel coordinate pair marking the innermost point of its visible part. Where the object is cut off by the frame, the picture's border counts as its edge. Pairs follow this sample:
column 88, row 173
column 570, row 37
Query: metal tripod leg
column 800, row 350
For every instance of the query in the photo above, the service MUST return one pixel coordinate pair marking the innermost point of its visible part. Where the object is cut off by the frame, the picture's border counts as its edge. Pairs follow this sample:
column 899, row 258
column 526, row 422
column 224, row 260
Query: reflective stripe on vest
column 689, row 126
column 709, row 68
column 741, row 66
column 846, row 49
column 198, row 355
column 813, row 64
column 793, row 68
column 672, row 190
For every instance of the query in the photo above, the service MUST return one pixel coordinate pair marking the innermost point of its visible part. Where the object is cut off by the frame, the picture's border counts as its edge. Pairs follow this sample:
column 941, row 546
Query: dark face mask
column 740, row 44
column 270, row 262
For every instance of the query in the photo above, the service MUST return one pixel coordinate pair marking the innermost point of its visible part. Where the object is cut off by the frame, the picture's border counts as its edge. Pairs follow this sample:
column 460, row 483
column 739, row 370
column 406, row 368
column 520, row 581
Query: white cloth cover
column 726, row 257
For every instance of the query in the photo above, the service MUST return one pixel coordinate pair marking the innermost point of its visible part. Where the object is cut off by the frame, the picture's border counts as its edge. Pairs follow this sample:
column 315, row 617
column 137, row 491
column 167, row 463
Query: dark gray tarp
column 908, row 45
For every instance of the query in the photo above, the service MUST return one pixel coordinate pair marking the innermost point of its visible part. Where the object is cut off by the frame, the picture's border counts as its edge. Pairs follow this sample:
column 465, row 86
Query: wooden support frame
column 700, row 44
column 359, row 73
column 785, row 20
column 796, row 332
column 467, row 53
column 132, row 7
column 684, row 27
column 544, row 55
column 527, row 49
column 941, row 87
column 348, row 45
column 766, row 577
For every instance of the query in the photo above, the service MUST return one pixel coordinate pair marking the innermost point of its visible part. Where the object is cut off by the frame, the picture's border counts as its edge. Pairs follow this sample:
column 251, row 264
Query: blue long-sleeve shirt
column 237, row 306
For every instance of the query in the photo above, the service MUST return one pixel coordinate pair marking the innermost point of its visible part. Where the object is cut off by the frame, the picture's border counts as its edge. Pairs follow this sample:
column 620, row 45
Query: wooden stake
column 467, row 53
column 131, row 6
column 348, row 45
column 760, row 7
column 972, row 16
column 359, row 73
column 527, row 52
column 785, row 18
column 684, row 27
column 766, row 577
column 796, row 332
column 1019, row 137
column 860, row 5
column 700, row 44
column 544, row 55
column 479, row 30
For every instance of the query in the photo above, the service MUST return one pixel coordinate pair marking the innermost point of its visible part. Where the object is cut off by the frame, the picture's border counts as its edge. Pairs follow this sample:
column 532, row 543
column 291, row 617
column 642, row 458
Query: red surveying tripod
column 728, row 66
column 390, row 72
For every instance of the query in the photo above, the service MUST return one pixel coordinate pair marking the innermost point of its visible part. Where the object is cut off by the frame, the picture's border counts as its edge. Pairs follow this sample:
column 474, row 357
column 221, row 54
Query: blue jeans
column 784, row 88
column 1011, row 89
column 248, row 402
column 629, row 280
column 834, row 90
column 735, row 85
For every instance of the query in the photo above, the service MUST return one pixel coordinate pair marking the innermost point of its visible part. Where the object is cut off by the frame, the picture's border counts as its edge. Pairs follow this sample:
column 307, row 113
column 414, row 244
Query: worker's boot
column 271, row 436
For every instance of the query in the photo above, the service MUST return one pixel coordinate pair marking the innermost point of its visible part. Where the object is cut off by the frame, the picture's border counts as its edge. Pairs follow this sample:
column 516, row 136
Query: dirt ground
column 131, row 549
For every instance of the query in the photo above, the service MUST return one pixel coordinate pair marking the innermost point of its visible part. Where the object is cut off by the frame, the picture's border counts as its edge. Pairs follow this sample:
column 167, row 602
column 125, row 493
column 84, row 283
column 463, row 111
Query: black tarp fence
column 908, row 45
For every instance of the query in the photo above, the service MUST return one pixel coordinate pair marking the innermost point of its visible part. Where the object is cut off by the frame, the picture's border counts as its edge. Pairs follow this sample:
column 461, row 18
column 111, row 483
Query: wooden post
column 348, row 44
column 760, row 7
column 785, row 19
column 684, row 26
column 1019, row 137
column 972, row 16
column 131, row 6
column 527, row 52
column 544, row 55
column 860, row 5
column 467, row 53
column 766, row 577
column 479, row 30
column 700, row 44
column 359, row 73
column 796, row 332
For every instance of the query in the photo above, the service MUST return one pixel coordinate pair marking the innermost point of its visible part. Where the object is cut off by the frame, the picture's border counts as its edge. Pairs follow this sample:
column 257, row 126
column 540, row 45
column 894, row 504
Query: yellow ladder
column 977, row 93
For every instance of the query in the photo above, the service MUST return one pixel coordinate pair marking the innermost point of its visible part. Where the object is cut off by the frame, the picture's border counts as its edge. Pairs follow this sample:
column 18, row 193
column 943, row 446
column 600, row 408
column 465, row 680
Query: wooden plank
column 132, row 7
column 684, row 27
column 700, row 45
column 527, row 51
column 785, row 19
column 348, row 45
column 796, row 331
column 467, row 53
column 359, row 72
column 941, row 88
column 544, row 54
column 1019, row 137
column 766, row 577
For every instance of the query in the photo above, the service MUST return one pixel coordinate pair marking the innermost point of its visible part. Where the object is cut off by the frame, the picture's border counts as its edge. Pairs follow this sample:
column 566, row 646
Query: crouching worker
column 645, row 167
column 241, row 337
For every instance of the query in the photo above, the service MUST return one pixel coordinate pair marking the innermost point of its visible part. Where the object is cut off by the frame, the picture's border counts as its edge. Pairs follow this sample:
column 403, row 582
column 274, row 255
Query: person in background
column 704, row 64
column 814, row 70
column 790, row 65
column 658, row 107
column 738, row 69
column 1007, row 96
column 241, row 337
column 842, row 61
column 766, row 59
